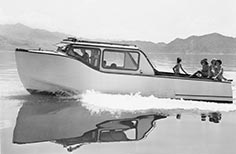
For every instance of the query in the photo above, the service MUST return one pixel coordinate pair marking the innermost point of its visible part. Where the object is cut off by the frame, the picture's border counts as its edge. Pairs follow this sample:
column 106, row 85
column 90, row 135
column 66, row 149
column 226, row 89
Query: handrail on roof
column 73, row 39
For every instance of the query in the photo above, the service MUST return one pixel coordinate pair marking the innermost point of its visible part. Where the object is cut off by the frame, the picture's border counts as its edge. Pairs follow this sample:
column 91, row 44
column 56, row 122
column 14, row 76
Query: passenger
column 212, row 68
column 113, row 65
column 94, row 57
column 219, row 72
column 85, row 56
column 72, row 53
column 204, row 72
column 104, row 63
column 178, row 66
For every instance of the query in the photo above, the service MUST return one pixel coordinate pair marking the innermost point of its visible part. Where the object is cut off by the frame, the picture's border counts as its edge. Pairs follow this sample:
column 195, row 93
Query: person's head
column 104, row 63
column 179, row 60
column 218, row 62
column 204, row 61
column 213, row 61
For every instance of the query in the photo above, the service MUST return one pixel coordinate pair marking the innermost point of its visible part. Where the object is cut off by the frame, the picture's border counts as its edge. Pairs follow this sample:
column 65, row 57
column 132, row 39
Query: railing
column 73, row 39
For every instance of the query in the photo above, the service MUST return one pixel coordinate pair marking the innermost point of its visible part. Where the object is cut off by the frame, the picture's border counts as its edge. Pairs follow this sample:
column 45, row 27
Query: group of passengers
column 213, row 71
column 93, row 59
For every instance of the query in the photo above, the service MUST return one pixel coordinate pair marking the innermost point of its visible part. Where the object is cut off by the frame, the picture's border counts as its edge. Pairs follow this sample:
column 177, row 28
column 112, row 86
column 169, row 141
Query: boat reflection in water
column 214, row 117
column 130, row 129
column 71, row 125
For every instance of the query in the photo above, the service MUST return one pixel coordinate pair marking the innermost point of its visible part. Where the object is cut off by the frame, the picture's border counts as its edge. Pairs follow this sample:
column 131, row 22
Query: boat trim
column 210, row 101
column 206, row 98
column 75, row 40
column 102, row 46
column 188, row 95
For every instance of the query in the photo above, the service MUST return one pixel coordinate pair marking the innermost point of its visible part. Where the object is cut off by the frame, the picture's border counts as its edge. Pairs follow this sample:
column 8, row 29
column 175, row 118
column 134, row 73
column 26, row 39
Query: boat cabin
column 113, row 58
column 108, row 57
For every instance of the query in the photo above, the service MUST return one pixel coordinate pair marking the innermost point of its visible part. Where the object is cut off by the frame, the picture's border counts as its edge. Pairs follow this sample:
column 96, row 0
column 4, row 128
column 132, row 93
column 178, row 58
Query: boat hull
column 43, row 72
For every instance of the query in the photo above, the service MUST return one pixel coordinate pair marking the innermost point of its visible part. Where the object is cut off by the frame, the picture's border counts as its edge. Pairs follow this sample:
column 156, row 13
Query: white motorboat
column 79, row 65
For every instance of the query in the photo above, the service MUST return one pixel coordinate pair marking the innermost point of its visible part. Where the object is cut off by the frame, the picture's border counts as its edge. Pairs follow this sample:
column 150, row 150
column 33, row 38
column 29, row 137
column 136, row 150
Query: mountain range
column 21, row 36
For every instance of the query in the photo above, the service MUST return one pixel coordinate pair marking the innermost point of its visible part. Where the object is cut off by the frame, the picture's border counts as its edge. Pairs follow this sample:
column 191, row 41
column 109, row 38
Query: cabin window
column 126, row 60
column 87, row 55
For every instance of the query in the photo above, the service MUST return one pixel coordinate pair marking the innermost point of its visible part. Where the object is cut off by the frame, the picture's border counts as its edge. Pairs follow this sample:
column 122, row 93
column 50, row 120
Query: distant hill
column 148, row 47
column 207, row 44
column 21, row 36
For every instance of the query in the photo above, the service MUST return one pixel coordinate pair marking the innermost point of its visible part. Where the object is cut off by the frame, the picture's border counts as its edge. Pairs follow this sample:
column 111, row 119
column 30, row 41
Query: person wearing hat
column 219, row 71
column 212, row 68
column 178, row 66
column 204, row 72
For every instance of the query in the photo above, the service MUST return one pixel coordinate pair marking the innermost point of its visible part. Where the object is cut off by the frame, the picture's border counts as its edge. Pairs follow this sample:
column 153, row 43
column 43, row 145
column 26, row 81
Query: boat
column 80, row 65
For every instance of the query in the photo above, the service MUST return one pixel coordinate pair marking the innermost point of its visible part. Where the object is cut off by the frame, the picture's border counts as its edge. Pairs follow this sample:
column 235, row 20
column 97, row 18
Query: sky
column 148, row 20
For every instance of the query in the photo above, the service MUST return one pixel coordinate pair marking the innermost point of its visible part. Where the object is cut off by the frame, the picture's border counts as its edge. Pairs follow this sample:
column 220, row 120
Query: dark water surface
column 45, row 124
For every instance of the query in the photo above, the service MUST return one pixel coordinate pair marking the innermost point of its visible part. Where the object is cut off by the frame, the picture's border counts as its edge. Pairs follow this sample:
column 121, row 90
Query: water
column 94, row 122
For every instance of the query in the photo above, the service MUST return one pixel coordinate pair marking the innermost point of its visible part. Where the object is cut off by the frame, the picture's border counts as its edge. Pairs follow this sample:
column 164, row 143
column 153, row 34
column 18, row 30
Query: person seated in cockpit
column 113, row 66
column 104, row 63
column 94, row 58
column 204, row 72
column 178, row 66
column 72, row 53
column 219, row 72
column 85, row 56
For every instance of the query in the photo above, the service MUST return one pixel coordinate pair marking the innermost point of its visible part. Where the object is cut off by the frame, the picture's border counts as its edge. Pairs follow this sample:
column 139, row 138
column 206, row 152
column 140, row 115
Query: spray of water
column 97, row 102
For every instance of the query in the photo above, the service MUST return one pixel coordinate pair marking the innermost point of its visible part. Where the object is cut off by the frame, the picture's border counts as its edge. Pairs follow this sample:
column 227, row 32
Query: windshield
column 61, row 47
column 90, row 56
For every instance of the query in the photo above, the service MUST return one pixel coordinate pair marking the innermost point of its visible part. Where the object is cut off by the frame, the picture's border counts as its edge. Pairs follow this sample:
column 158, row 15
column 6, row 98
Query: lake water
column 95, row 122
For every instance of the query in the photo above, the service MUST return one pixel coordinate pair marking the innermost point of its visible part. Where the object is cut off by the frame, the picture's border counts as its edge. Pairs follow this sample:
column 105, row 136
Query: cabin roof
column 72, row 40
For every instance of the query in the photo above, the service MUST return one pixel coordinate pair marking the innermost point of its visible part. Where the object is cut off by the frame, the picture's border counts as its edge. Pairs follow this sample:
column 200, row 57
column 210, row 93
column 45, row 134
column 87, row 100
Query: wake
column 97, row 102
